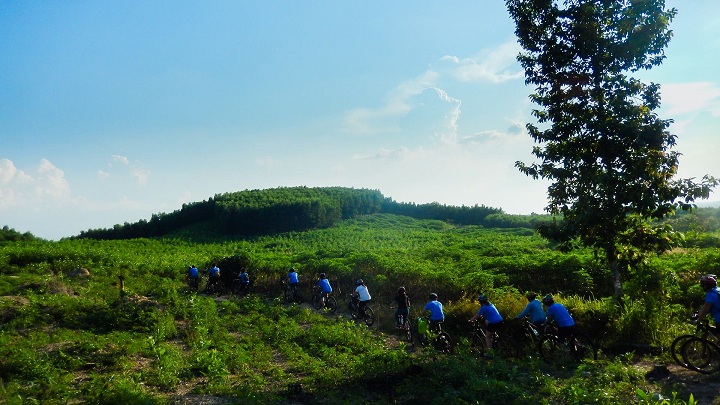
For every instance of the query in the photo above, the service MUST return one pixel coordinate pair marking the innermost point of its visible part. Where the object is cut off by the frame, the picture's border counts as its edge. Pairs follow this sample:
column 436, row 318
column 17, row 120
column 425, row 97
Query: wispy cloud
column 267, row 162
column 494, row 65
column 398, row 102
column 135, row 169
column 491, row 66
column 142, row 176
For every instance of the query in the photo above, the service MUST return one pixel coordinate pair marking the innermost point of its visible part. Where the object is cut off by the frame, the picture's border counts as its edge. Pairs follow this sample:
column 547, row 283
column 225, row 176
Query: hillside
column 264, row 212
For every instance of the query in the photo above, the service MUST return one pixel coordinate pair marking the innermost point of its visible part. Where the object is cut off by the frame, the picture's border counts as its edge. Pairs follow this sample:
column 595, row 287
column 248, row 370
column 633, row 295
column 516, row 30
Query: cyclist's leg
column 361, row 308
column 490, row 331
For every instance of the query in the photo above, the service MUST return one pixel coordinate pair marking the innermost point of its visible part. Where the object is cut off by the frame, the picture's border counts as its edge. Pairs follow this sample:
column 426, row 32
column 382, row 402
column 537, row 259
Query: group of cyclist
column 192, row 276
column 541, row 312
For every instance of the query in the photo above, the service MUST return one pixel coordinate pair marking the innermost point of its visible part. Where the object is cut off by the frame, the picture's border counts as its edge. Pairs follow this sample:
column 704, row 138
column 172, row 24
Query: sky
column 111, row 112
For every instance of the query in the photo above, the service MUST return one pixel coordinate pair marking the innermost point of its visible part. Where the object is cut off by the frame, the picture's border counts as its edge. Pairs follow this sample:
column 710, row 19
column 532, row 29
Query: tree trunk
column 617, row 282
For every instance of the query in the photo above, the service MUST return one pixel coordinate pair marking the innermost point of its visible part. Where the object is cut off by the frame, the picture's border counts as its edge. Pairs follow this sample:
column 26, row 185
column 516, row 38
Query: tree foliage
column 608, row 154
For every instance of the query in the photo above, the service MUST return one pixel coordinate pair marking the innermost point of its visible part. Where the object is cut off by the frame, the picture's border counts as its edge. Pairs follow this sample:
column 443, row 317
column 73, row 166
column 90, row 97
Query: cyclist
column 711, row 306
column 403, row 305
column 437, row 316
column 293, row 279
column 214, row 277
column 244, row 280
column 534, row 310
column 363, row 295
column 192, row 275
column 325, row 287
column 492, row 317
column 558, row 313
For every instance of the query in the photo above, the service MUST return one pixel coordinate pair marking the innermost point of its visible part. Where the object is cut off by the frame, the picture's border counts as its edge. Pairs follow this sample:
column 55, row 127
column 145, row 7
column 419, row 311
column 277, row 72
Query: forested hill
column 258, row 212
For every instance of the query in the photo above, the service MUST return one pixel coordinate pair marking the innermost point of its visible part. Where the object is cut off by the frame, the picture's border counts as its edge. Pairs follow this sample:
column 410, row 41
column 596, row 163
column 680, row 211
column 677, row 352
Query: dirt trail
column 705, row 388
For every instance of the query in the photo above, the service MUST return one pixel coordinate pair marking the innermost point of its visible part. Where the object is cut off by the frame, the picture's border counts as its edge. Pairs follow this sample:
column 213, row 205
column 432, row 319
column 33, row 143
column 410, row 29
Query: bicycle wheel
column 368, row 316
column 317, row 301
column 443, row 343
column 405, row 330
column 555, row 353
column 236, row 288
column 331, row 304
column 675, row 349
column 288, row 295
column 583, row 347
column 506, row 346
column 477, row 341
column 701, row 355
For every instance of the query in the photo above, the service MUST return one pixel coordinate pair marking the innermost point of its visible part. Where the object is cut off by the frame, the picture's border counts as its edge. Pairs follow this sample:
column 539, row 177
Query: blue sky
column 113, row 111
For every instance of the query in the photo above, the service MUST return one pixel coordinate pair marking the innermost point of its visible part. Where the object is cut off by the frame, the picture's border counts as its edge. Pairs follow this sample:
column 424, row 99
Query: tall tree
column 607, row 153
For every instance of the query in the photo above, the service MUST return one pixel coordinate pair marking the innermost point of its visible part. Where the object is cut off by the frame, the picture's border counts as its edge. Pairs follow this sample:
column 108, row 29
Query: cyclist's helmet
column 482, row 298
column 530, row 295
column 292, row 269
column 433, row 297
column 359, row 281
column 401, row 290
column 708, row 281
column 548, row 299
column 322, row 275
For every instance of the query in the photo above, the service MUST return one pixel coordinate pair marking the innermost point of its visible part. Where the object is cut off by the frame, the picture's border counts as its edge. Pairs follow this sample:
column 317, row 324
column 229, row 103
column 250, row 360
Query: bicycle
column 239, row 288
column 702, row 329
column 215, row 288
column 326, row 304
column 367, row 315
column 701, row 355
column 291, row 293
column 404, row 328
column 438, row 338
column 193, row 283
column 503, row 344
column 577, row 348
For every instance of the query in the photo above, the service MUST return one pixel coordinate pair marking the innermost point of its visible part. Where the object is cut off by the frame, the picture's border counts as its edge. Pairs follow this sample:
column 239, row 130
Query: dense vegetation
column 262, row 212
column 67, row 334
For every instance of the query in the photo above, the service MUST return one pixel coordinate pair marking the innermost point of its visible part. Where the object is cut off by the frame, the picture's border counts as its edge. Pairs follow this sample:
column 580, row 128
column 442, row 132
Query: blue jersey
column 325, row 285
column 490, row 313
column 560, row 315
column 534, row 310
column 436, row 311
column 193, row 272
column 293, row 277
column 214, row 272
column 244, row 278
column 713, row 297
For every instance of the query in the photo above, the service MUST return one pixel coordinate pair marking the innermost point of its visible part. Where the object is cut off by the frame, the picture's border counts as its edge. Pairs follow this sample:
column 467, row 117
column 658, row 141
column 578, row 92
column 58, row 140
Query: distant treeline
column 286, row 209
column 10, row 234
column 262, row 212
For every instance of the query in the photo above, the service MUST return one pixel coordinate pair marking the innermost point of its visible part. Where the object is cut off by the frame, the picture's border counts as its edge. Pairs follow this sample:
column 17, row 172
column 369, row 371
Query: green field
column 67, row 338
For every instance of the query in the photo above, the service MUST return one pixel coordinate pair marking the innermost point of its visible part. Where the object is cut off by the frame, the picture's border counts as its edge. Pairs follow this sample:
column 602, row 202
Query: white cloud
column 19, row 189
column 688, row 98
column 102, row 175
column 51, row 181
column 120, row 159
